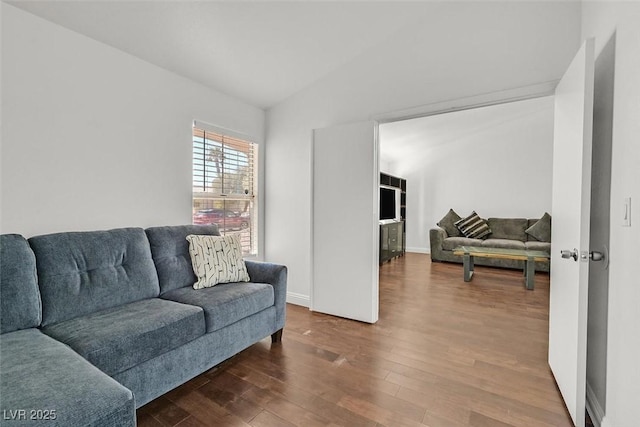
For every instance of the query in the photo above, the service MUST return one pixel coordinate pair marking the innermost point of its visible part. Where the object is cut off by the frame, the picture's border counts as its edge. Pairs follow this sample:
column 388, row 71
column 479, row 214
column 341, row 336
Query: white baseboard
column 298, row 299
column 594, row 408
column 419, row 250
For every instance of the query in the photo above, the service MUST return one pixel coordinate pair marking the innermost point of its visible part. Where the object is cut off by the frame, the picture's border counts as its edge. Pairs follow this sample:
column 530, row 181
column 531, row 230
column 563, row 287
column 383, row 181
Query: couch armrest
column 436, row 237
column 276, row 276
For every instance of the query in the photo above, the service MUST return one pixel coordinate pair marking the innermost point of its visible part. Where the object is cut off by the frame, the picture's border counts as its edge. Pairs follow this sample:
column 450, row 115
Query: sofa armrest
column 436, row 237
column 276, row 276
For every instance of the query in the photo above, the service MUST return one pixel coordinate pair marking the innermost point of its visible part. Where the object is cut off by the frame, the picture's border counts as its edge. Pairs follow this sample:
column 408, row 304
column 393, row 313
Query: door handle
column 569, row 254
column 586, row 256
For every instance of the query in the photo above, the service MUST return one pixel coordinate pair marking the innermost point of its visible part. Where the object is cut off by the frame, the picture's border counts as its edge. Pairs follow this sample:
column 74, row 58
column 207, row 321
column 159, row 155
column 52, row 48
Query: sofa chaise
column 509, row 233
column 96, row 324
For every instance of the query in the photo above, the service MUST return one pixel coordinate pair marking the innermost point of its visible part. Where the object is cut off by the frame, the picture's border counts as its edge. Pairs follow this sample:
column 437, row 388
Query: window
column 224, row 184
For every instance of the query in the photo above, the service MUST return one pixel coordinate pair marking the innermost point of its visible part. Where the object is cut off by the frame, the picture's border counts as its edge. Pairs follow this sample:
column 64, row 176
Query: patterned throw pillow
column 473, row 226
column 217, row 259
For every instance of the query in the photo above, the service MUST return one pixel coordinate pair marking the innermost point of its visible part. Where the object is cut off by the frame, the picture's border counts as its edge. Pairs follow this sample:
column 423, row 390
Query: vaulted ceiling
column 261, row 52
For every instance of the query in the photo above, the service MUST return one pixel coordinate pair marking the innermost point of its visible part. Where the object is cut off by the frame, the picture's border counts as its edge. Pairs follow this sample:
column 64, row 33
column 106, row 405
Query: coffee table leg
column 530, row 267
column 467, row 261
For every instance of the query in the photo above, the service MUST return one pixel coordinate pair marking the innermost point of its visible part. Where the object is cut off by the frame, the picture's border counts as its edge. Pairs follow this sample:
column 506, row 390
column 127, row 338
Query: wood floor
column 444, row 353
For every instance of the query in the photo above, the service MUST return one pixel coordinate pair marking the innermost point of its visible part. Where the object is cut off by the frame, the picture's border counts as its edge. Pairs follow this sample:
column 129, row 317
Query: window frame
column 256, row 226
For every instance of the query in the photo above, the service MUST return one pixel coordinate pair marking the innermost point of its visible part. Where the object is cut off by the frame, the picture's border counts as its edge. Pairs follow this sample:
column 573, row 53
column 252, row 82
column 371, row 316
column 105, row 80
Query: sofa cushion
column 473, row 226
column 538, row 246
column 503, row 244
column 40, row 373
column 170, row 251
column 450, row 243
column 20, row 306
column 84, row 272
column 118, row 338
column 541, row 230
column 448, row 224
column 226, row 303
column 508, row 228
column 217, row 259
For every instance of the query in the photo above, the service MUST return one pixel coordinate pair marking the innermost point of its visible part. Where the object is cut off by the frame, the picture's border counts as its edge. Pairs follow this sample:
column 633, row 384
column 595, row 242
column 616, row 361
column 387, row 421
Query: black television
column 387, row 203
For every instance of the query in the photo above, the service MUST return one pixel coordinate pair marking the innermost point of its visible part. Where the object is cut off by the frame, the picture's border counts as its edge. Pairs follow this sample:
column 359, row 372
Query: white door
column 571, row 197
column 345, row 221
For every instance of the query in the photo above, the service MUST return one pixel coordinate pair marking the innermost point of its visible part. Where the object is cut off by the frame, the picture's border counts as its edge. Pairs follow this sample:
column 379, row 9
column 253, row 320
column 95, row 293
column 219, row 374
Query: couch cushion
column 448, row 223
column 84, row 272
column 40, row 373
column 227, row 303
column 170, row 251
column 503, row 244
column 450, row 243
column 541, row 230
column 20, row 306
column 473, row 226
column 118, row 338
column 508, row 228
column 538, row 246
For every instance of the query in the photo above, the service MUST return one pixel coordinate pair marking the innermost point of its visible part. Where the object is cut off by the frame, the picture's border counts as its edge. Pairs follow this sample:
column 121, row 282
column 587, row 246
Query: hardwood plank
column 479, row 420
column 376, row 413
column 313, row 396
column 164, row 411
column 208, row 412
column 145, row 419
column 267, row 419
column 516, row 409
column 439, row 403
column 183, row 389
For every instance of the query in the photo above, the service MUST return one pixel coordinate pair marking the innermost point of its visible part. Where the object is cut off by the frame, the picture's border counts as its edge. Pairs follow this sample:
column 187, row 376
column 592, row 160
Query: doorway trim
column 468, row 103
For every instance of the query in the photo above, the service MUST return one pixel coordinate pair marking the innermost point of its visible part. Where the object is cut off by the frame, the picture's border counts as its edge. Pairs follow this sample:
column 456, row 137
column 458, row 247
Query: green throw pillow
column 447, row 223
column 541, row 230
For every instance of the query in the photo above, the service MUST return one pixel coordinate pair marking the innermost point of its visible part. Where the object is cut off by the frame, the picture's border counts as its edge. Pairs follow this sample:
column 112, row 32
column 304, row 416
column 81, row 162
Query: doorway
column 476, row 159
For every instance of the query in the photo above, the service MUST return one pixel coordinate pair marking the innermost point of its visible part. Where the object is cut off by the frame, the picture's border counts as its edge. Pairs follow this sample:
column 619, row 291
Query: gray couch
column 96, row 324
column 506, row 233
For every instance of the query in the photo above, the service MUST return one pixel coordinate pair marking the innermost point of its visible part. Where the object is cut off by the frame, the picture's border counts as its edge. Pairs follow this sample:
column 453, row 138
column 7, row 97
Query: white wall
column 500, row 167
column 601, row 20
column 457, row 50
column 600, row 229
column 386, row 167
column 94, row 138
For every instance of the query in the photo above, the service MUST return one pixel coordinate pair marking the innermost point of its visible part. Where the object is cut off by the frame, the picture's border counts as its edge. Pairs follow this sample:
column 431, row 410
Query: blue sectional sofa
column 96, row 324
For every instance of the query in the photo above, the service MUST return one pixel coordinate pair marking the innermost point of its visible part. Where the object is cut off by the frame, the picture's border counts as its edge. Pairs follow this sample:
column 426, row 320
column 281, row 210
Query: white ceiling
column 403, row 139
column 260, row 52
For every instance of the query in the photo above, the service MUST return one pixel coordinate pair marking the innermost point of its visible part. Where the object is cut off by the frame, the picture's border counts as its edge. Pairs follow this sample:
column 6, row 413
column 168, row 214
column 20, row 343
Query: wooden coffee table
column 529, row 258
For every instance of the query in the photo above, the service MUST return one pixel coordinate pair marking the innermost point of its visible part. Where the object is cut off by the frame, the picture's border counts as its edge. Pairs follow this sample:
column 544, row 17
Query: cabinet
column 391, row 240
column 393, row 232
